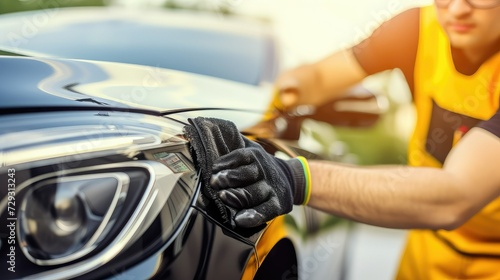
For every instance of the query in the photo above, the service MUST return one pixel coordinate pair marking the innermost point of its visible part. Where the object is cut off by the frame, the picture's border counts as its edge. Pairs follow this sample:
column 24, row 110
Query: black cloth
column 210, row 139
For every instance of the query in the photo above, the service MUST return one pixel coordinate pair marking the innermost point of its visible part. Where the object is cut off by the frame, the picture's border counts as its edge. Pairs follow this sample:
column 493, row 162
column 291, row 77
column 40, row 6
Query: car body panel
column 56, row 83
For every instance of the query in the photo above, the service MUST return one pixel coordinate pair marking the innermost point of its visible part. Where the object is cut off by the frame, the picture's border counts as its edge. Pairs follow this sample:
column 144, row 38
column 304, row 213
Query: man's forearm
column 395, row 196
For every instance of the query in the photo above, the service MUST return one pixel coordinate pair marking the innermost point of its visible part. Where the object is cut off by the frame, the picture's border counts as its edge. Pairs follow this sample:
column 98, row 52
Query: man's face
column 468, row 27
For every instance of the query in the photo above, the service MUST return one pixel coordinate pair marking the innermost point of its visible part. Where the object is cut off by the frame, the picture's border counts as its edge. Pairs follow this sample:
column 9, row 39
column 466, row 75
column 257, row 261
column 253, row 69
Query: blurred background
column 306, row 31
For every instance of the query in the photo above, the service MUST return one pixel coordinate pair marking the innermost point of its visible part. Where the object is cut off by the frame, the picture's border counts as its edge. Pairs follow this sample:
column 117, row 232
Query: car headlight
column 88, row 190
column 64, row 218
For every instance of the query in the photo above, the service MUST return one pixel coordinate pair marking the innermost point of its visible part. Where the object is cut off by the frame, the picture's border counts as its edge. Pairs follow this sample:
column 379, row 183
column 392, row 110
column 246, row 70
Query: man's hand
column 320, row 82
column 295, row 86
column 258, row 185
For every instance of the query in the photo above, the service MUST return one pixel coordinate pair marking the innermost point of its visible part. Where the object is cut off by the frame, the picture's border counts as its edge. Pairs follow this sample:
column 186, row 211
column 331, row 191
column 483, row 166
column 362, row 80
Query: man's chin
column 462, row 41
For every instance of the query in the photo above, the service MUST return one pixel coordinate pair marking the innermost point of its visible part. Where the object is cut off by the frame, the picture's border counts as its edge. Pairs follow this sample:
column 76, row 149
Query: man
column 449, row 54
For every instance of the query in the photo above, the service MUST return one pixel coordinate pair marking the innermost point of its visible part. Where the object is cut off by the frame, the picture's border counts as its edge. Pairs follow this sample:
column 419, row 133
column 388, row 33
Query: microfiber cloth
column 211, row 138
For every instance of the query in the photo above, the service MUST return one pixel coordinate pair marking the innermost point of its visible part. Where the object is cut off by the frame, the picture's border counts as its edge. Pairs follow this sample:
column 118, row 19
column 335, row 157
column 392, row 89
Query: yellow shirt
column 449, row 103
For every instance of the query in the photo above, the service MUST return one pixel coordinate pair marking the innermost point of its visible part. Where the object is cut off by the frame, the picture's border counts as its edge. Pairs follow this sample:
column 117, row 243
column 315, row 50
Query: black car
column 99, row 181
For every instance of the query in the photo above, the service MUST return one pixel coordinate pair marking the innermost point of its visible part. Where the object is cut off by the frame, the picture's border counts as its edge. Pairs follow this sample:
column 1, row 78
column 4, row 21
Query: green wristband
column 307, row 175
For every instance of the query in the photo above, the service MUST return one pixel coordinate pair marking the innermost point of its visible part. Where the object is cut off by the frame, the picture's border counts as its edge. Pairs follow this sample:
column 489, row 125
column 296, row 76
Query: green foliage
column 10, row 6
column 375, row 145
column 222, row 8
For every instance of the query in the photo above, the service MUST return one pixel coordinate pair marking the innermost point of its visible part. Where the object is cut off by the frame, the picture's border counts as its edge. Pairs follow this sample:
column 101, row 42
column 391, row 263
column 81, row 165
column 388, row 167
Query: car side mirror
column 357, row 108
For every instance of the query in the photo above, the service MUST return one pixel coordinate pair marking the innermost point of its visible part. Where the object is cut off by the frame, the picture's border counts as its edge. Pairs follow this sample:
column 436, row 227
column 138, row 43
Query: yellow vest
column 449, row 103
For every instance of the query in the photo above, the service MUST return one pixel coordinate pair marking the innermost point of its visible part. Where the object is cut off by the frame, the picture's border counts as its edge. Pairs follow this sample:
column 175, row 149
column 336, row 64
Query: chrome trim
column 78, row 147
column 122, row 188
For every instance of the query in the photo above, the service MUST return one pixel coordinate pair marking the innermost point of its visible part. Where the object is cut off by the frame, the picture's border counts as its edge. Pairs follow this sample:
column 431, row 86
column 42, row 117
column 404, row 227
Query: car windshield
column 167, row 40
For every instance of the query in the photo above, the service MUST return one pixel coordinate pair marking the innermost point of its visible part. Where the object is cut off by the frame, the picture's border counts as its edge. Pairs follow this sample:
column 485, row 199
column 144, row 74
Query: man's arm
column 412, row 197
column 260, row 186
column 317, row 83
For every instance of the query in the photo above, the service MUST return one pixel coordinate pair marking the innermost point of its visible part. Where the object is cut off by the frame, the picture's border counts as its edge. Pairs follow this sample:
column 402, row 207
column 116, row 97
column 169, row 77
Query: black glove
column 258, row 185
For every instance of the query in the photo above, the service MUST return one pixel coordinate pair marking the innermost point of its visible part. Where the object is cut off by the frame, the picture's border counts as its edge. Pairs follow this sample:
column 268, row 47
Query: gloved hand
column 258, row 185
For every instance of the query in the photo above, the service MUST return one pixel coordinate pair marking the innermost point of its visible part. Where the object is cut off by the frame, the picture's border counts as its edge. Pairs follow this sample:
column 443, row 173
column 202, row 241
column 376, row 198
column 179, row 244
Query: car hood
column 40, row 83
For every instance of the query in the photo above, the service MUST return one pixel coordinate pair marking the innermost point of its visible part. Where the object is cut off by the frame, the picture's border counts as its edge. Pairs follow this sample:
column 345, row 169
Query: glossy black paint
column 41, row 84
column 200, row 250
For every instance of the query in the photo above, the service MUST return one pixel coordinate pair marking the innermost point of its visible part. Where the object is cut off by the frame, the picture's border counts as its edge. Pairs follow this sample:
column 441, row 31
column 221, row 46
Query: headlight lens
column 62, row 219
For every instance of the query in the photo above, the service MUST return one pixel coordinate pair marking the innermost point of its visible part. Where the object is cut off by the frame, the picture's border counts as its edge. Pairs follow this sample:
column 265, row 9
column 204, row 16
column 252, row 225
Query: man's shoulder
column 404, row 22
column 392, row 45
